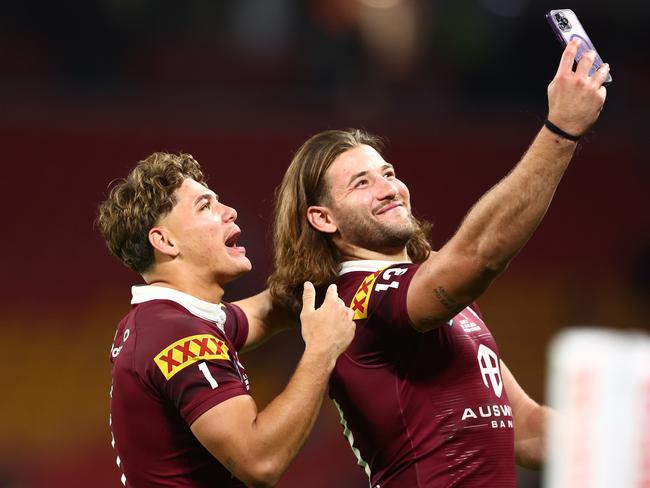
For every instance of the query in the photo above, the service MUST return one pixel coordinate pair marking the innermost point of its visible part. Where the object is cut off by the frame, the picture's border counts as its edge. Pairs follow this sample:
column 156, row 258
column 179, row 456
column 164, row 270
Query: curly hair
column 135, row 204
column 301, row 252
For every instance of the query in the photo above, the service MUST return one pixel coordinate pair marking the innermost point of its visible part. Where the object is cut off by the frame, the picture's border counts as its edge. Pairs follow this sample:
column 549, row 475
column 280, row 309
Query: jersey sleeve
column 188, row 363
column 236, row 325
column 381, row 297
column 388, row 299
column 384, row 329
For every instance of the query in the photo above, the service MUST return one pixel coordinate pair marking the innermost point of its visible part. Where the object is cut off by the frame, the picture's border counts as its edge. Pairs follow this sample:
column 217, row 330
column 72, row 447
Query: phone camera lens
column 562, row 22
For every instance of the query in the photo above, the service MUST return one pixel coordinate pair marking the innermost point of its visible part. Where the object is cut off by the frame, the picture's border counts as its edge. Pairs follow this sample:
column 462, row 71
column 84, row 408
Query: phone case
column 566, row 26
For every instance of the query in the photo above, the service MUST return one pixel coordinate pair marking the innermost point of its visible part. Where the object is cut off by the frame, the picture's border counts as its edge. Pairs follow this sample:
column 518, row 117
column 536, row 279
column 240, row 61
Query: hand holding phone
column 567, row 27
column 575, row 99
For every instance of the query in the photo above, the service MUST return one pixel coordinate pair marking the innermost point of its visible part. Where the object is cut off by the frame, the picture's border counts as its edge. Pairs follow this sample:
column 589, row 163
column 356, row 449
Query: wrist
column 321, row 358
column 559, row 132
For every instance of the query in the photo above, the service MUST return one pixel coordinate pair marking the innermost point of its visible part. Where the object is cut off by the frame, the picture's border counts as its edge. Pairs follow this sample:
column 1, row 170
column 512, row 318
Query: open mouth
column 232, row 239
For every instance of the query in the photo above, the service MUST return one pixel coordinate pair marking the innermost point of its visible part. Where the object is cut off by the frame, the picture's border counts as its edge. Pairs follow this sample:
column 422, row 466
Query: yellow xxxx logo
column 189, row 350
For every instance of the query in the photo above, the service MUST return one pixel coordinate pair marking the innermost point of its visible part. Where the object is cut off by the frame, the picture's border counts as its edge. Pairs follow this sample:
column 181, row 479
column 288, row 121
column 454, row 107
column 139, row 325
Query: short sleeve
column 378, row 301
column 387, row 301
column 188, row 362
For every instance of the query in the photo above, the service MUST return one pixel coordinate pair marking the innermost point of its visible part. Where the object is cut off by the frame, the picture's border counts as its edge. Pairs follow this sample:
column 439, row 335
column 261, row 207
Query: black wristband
column 556, row 130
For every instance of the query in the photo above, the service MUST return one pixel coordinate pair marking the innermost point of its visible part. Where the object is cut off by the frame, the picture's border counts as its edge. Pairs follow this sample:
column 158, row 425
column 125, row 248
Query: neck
column 206, row 290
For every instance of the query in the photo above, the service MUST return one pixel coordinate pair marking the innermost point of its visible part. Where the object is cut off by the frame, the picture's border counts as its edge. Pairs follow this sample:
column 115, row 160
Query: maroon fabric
column 424, row 410
column 150, row 413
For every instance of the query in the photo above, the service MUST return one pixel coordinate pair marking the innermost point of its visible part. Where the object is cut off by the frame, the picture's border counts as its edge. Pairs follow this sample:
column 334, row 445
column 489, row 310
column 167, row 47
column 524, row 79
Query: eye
column 206, row 205
column 389, row 174
column 360, row 183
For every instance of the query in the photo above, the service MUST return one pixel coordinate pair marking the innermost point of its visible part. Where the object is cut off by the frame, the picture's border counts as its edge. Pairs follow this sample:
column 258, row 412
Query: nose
column 386, row 189
column 229, row 214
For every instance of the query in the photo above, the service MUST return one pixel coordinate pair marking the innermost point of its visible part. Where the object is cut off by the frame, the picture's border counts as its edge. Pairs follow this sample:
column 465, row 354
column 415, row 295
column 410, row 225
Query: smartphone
column 566, row 26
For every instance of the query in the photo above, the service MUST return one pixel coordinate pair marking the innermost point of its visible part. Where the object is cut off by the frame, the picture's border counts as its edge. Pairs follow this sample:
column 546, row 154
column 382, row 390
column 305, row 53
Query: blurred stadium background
column 458, row 88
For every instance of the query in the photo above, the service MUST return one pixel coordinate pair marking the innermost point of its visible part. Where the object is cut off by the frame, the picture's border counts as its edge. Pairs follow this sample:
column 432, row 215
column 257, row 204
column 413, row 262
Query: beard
column 374, row 235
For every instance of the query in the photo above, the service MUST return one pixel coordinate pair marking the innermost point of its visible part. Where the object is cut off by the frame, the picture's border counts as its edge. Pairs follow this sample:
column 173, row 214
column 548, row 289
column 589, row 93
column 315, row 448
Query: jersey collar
column 367, row 265
column 205, row 310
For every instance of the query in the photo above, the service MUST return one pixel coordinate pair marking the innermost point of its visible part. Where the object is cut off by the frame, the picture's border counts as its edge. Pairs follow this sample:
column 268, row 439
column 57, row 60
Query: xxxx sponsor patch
column 359, row 303
column 189, row 350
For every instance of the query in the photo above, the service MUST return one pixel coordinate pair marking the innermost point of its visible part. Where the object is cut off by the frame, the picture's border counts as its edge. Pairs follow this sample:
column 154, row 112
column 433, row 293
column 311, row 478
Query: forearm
column 491, row 234
column 257, row 447
column 530, row 434
column 280, row 430
column 503, row 220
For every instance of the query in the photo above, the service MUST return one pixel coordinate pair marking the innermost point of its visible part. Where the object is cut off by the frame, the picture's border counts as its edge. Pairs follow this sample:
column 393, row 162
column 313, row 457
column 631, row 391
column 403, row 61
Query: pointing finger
column 569, row 55
column 308, row 297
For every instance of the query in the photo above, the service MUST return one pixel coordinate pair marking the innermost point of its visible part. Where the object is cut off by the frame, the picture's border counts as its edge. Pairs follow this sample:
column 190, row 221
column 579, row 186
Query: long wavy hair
column 301, row 252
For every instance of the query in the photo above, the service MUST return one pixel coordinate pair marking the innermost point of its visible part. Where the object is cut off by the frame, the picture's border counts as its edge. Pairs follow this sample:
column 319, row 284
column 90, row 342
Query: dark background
column 457, row 88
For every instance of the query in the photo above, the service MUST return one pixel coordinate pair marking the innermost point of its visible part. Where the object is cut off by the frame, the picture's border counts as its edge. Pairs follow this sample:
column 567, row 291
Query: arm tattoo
column 444, row 298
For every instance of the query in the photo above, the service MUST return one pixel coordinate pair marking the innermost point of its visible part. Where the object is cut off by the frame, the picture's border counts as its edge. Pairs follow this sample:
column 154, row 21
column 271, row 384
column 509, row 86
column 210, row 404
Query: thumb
column 308, row 297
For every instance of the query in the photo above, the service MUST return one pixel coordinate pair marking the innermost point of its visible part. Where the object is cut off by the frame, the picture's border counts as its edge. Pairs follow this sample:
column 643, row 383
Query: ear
column 163, row 242
column 321, row 219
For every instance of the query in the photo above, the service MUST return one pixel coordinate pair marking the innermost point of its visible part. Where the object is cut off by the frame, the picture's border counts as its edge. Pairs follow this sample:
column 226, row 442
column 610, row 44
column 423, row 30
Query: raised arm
column 257, row 447
column 505, row 217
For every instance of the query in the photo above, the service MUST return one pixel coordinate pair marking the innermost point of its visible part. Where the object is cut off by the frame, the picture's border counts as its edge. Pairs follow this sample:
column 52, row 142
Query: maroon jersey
column 420, row 409
column 174, row 357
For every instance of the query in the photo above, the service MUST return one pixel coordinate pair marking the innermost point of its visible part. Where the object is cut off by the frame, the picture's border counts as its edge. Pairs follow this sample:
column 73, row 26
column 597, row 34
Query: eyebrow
column 363, row 173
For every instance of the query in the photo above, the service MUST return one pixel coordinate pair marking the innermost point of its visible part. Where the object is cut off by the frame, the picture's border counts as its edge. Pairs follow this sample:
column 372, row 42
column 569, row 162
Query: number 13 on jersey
column 388, row 276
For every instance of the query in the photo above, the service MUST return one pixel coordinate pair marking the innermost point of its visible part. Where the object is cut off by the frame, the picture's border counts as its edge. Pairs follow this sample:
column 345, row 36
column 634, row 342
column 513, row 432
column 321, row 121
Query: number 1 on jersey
column 208, row 376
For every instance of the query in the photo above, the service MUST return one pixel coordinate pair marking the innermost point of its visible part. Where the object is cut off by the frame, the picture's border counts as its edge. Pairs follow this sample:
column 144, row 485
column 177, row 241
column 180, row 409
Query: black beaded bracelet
column 556, row 130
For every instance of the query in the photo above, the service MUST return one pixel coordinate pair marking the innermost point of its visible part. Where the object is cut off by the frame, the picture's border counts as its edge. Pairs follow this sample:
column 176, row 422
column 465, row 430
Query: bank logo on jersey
column 359, row 304
column 489, row 364
column 190, row 350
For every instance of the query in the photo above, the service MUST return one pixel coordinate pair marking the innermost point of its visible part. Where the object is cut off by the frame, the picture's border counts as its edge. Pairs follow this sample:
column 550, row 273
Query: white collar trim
column 367, row 265
column 205, row 310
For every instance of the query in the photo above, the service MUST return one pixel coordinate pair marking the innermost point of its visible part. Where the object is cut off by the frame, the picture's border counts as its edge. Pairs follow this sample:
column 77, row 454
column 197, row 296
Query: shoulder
column 380, row 291
column 163, row 325
column 234, row 312
column 165, row 318
column 169, row 338
column 155, row 310
column 389, row 277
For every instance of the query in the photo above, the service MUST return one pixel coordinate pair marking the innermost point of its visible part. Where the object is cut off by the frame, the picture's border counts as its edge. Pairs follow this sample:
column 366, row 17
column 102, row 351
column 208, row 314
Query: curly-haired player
column 181, row 413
